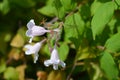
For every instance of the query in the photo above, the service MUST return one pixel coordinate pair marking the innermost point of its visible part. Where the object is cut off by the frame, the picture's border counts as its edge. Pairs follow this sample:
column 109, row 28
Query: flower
column 54, row 60
column 34, row 49
column 34, row 30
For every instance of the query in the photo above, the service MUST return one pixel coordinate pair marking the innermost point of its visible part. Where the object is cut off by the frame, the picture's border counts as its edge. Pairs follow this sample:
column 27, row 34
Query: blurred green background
column 14, row 15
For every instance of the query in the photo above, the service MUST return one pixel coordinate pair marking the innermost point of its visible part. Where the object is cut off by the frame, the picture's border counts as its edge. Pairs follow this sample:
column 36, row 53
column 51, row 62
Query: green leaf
column 63, row 51
column 4, row 7
column 47, row 10
column 69, row 4
column 118, row 28
column 17, row 41
column 109, row 67
column 59, row 9
column 84, row 53
column 95, row 5
column 102, row 16
column 74, row 27
column 45, row 49
column 118, row 2
column 49, row 2
column 2, row 66
column 111, row 24
column 85, row 11
column 118, row 25
column 113, row 43
column 11, row 74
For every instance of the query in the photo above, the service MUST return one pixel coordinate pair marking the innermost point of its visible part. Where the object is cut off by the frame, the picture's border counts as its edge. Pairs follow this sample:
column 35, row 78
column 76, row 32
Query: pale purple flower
column 33, row 49
column 34, row 30
column 54, row 60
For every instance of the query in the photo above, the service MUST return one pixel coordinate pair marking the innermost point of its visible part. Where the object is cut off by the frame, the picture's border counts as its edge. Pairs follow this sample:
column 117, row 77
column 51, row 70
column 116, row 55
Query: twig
column 68, row 77
column 53, row 20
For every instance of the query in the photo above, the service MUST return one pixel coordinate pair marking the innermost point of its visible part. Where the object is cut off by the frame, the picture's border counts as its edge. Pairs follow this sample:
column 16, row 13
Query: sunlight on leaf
column 84, row 53
column 113, row 43
column 17, row 41
column 101, row 17
column 95, row 6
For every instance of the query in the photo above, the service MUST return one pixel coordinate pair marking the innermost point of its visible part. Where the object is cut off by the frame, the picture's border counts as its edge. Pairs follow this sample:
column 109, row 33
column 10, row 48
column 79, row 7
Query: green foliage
column 63, row 51
column 71, row 3
column 47, row 10
column 85, row 11
column 74, row 28
column 59, row 9
column 112, row 44
column 101, row 17
column 108, row 65
column 11, row 74
column 95, row 5
column 84, row 53
column 2, row 66
column 4, row 7
column 118, row 2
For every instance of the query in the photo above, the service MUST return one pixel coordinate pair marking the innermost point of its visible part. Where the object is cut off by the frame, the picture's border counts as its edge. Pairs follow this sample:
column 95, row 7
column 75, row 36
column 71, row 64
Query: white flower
column 34, row 30
column 34, row 49
column 54, row 60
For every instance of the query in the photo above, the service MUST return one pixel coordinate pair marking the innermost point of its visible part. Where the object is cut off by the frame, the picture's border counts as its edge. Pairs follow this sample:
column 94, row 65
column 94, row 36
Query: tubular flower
column 54, row 60
column 33, row 49
column 34, row 30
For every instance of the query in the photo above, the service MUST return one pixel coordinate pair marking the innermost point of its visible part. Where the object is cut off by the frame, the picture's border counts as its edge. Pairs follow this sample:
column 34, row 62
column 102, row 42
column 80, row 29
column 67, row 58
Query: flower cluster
column 34, row 30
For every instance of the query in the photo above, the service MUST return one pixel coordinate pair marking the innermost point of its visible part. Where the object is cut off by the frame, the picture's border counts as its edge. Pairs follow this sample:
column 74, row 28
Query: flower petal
column 47, row 63
column 55, row 66
column 54, row 55
column 36, row 57
column 62, row 64
column 38, row 31
column 28, row 52
column 36, row 47
column 28, row 46
column 30, row 24
column 29, row 33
